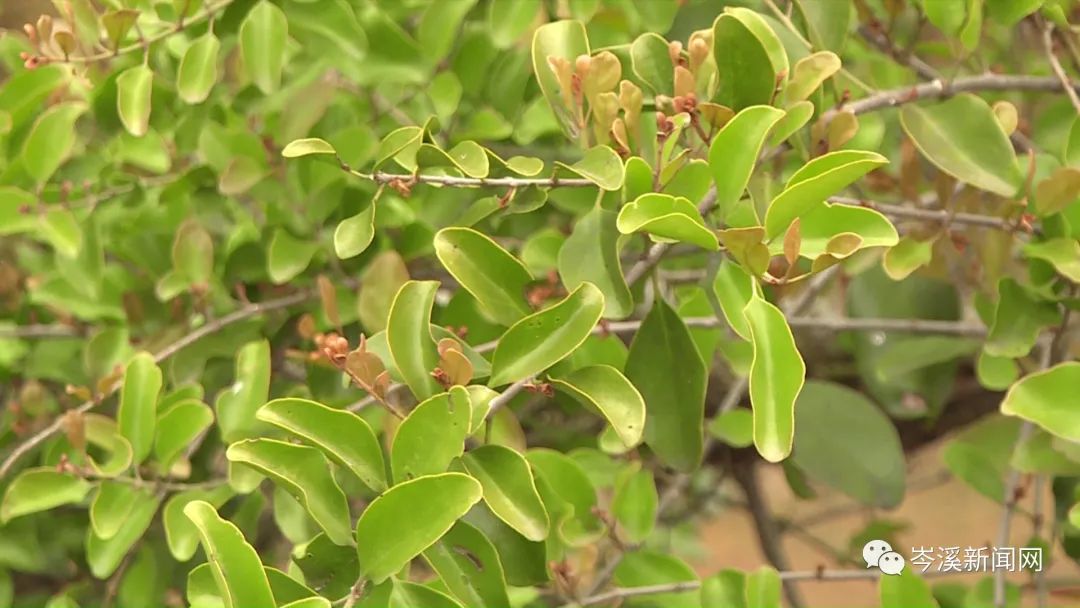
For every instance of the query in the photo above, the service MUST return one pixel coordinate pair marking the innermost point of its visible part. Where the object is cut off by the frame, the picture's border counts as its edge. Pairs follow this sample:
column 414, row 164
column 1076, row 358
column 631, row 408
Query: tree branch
column 768, row 532
column 186, row 340
column 930, row 215
column 1059, row 71
column 474, row 182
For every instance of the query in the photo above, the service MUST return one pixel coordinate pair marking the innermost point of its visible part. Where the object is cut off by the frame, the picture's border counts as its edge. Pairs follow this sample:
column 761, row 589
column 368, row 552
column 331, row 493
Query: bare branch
column 1059, row 71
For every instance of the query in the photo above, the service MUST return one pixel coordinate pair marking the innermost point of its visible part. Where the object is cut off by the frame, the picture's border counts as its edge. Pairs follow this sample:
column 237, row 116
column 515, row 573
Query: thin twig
column 930, row 215
column 474, row 182
column 57, row 330
column 1059, row 71
column 184, row 341
column 885, row 45
column 768, row 531
column 940, row 88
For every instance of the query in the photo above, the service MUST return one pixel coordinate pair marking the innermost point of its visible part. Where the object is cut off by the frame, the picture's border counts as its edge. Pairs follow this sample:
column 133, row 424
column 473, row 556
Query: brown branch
column 1059, row 70
column 884, row 44
column 57, row 330
column 930, row 215
column 768, row 531
column 474, row 182
column 212, row 327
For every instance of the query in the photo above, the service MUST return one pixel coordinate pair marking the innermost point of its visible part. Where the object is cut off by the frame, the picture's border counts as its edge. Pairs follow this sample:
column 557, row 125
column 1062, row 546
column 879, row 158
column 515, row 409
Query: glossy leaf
column 409, row 337
column 262, row 45
column 133, row 88
column 469, row 565
column 776, row 377
column 542, row 339
column 749, row 57
column 907, row 590
column 815, row 181
column 509, row 489
column 408, row 518
column 112, row 504
column 962, row 137
column 591, row 254
column 1044, row 398
column 180, row 532
column 673, row 386
column 41, row 489
column 50, row 140
column 668, row 217
column 491, row 274
column 198, row 69
column 431, row 436
column 1062, row 253
column 343, row 437
column 734, row 152
column 104, row 555
column 137, row 414
column 604, row 389
column 288, row 256
column 236, row 405
column 651, row 62
column 354, row 235
column 600, row 165
column 177, row 427
column 1018, row 319
column 307, row 147
column 237, row 570
column 303, row 472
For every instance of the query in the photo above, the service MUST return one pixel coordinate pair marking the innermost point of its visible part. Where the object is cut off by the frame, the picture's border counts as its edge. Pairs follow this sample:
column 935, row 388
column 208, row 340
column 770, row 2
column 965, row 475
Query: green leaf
column 651, row 62
column 103, row 432
column 542, row 339
column 137, row 414
column 50, row 140
column 1062, row 253
column 601, row 165
column 179, row 426
column 288, row 256
column 408, row 336
column 1018, row 319
column 634, row 504
column 112, row 505
column 763, row 588
column 734, row 288
column 907, row 256
column 198, row 70
column 307, row 147
column 263, row 37
column 669, row 217
column 1046, row 398
column 133, row 88
column 239, row 574
column 821, row 225
column 562, row 41
column 343, row 437
column 996, row 373
column 405, row 593
column 646, row 568
column 439, row 26
column 408, row 518
column 776, row 377
column 237, row 404
column 980, row 454
column 431, row 436
column 734, row 152
column 303, row 472
column 467, row 563
column 385, row 274
column 914, row 353
column 725, row 589
column 180, row 533
column 734, row 427
column 591, row 254
column 749, row 59
column 353, row 235
column 509, row 489
column 468, row 157
column 847, row 442
column 827, row 26
column 63, row 232
column 400, row 145
column 814, row 182
column 491, row 274
column 104, row 555
column 330, row 568
column 41, row 489
column 193, row 253
column 672, row 384
column 906, row 590
column 962, row 137
column 809, row 73
column 604, row 389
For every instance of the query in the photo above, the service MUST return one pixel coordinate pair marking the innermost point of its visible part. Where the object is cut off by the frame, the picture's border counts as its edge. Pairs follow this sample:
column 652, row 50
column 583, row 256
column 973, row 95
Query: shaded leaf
column 263, row 35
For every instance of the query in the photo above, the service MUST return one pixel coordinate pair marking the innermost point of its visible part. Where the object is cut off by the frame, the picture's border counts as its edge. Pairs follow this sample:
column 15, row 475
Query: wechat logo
column 879, row 554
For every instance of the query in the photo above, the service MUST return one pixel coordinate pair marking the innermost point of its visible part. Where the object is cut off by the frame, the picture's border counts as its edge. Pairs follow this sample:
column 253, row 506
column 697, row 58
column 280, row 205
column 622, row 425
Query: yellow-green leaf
column 408, row 336
column 133, row 89
column 776, row 377
column 137, row 414
column 509, row 489
column 490, row 273
column 263, row 37
column 41, row 489
column 198, row 69
column 239, row 574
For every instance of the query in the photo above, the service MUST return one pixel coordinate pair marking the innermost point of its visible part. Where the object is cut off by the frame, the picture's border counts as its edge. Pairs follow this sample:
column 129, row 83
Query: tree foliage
column 478, row 302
